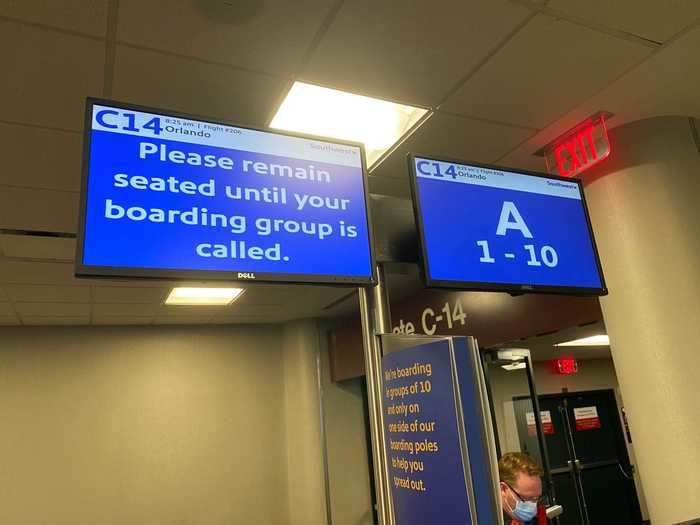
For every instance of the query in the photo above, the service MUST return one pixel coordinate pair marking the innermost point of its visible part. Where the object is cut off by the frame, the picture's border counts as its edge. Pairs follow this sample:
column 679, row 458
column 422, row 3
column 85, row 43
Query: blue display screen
column 170, row 194
column 491, row 229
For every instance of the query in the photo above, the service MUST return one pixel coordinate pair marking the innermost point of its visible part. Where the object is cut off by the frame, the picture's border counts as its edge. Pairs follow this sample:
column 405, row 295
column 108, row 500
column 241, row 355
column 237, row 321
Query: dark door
column 590, row 466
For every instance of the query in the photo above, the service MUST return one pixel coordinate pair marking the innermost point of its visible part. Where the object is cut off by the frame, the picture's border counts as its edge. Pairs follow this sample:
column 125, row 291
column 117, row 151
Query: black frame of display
column 515, row 288
column 84, row 270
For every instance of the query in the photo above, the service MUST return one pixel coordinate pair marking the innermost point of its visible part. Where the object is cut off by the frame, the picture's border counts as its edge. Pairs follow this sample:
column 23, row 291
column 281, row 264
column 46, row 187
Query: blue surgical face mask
column 525, row 510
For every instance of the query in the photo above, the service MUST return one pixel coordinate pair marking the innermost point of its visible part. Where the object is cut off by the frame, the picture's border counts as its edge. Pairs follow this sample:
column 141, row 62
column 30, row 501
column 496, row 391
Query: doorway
column 590, row 466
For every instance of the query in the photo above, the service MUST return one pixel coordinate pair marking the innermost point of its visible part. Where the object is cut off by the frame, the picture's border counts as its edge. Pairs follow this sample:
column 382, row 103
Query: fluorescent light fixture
column 203, row 296
column 513, row 354
column 514, row 366
column 594, row 340
column 317, row 110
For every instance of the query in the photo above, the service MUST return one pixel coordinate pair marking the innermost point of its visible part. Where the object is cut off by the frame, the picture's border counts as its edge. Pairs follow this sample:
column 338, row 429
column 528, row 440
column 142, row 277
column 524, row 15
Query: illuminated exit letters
column 579, row 149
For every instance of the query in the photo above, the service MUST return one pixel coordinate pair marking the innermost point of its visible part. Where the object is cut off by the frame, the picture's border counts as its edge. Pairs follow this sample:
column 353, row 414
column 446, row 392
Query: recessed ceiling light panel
column 203, row 296
column 594, row 340
column 317, row 110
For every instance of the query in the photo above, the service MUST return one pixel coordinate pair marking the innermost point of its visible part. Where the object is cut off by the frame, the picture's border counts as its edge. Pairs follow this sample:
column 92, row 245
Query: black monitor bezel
column 92, row 271
column 513, row 288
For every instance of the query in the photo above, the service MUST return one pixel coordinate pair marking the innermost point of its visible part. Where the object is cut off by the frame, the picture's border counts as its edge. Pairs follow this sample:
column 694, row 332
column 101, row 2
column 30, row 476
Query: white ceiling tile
column 190, row 310
column 9, row 321
column 121, row 320
column 665, row 84
column 46, row 75
column 546, row 69
column 23, row 272
column 254, row 319
column 661, row 85
column 266, row 294
column 35, row 247
column 32, row 320
column 182, row 320
column 194, row 87
column 273, row 39
column 40, row 158
column 412, row 53
column 52, row 309
column 652, row 20
column 125, row 309
column 88, row 17
column 123, row 294
column 37, row 293
column 268, row 299
column 524, row 162
column 456, row 137
column 124, row 282
column 315, row 298
column 41, row 210
column 258, row 311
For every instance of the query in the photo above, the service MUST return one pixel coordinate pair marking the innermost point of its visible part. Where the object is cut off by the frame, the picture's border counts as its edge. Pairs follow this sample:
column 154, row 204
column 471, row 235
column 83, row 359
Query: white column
column 645, row 207
column 305, row 470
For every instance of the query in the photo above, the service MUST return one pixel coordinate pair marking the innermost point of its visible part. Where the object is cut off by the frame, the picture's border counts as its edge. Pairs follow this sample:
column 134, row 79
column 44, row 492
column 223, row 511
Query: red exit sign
column 580, row 148
column 565, row 366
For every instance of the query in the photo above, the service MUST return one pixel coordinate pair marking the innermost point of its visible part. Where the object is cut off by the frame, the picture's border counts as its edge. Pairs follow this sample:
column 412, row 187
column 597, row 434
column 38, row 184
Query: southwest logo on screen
column 246, row 275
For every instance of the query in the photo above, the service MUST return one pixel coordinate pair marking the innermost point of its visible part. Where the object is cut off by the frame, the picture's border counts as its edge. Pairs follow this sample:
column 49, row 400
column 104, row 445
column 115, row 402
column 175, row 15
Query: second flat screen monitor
column 484, row 228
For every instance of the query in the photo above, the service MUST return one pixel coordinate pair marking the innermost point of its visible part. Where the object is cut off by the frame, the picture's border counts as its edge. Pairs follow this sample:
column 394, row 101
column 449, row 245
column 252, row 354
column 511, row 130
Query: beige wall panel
column 142, row 426
column 304, row 461
column 348, row 469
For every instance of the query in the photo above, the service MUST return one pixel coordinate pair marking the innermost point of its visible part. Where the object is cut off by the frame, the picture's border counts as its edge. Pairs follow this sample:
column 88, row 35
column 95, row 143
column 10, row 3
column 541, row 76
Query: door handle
column 627, row 476
column 575, row 465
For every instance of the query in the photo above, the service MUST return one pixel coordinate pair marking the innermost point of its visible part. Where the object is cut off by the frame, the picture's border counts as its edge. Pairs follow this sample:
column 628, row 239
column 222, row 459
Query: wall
column 348, row 470
column 302, row 403
column 594, row 374
column 644, row 210
column 143, row 426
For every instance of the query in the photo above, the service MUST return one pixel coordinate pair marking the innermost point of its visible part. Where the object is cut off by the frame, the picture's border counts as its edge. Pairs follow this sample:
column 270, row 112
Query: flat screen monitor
column 172, row 196
column 488, row 228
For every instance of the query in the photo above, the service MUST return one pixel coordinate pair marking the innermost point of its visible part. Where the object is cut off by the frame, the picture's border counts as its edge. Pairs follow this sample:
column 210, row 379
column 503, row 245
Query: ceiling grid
column 110, row 47
column 240, row 70
column 549, row 136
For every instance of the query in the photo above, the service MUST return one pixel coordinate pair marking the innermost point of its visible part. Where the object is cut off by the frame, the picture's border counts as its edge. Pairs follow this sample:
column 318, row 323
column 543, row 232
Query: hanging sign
column 547, row 424
column 427, row 481
column 434, row 438
column 577, row 150
column 586, row 418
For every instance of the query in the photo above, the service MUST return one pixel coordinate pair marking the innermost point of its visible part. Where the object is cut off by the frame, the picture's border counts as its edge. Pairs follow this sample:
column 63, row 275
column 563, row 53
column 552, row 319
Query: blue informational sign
column 169, row 196
column 492, row 229
column 436, row 453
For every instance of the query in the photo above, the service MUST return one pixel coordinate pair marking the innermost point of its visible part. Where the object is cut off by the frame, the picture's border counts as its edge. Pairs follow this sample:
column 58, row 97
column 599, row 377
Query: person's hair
column 513, row 463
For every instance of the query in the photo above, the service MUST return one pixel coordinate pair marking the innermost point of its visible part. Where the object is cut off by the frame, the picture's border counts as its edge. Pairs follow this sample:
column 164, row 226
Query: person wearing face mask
column 521, row 490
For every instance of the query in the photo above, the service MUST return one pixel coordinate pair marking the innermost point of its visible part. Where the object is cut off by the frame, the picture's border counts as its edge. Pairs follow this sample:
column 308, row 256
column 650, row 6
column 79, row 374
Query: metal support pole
column 374, row 313
column 540, row 430
column 382, row 311
column 489, row 393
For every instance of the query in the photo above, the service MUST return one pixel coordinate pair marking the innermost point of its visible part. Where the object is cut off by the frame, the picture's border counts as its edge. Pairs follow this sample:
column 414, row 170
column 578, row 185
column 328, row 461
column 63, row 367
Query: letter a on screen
column 512, row 220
